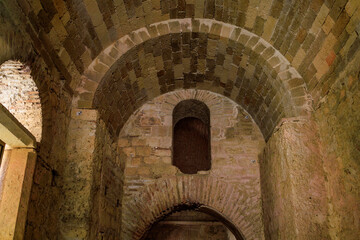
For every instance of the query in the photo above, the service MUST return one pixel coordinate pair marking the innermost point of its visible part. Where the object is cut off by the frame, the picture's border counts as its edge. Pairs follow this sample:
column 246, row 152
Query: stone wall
column 107, row 187
column 77, row 175
column 338, row 117
column 20, row 95
column 316, row 37
column 45, row 205
column 13, row 42
column 293, row 183
column 145, row 145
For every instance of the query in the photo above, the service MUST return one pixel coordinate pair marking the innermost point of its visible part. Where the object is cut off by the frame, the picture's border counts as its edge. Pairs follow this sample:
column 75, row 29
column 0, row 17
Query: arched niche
column 191, row 136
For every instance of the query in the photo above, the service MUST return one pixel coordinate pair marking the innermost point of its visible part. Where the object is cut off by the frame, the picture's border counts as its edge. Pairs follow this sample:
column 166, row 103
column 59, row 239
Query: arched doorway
column 193, row 222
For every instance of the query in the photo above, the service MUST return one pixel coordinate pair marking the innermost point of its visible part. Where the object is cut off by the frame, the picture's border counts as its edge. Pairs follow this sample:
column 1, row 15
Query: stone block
column 143, row 151
column 328, row 24
column 151, row 160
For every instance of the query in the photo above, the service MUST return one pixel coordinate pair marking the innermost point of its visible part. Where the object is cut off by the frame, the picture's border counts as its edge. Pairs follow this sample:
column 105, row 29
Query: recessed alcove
column 191, row 136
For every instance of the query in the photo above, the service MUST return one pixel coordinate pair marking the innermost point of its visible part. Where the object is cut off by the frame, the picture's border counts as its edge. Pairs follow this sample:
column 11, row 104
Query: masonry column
column 78, row 175
column 292, row 183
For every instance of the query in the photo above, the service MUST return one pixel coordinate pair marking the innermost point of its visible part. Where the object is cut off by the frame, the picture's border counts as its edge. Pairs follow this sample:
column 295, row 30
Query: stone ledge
column 12, row 132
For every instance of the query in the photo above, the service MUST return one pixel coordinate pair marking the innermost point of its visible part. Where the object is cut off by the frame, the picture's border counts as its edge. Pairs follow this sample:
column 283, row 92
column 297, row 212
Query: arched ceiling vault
column 313, row 35
column 194, row 53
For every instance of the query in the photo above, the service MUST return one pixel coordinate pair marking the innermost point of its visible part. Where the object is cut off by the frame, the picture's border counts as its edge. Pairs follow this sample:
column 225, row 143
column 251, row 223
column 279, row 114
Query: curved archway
column 231, row 226
column 208, row 211
column 239, row 65
column 167, row 195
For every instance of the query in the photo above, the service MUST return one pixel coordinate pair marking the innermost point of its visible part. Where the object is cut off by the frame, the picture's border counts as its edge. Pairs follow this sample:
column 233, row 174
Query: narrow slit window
column 191, row 137
column 2, row 148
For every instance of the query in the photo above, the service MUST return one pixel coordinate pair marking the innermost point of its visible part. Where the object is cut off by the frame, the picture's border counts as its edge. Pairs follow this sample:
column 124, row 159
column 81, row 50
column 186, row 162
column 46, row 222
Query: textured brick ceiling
column 314, row 36
column 202, row 61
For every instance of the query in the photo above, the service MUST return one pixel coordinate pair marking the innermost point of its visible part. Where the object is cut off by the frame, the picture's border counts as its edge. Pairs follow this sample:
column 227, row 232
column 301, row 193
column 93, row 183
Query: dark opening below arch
column 202, row 209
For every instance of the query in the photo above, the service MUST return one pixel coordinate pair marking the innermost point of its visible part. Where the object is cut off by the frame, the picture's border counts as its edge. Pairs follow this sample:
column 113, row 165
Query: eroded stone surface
column 338, row 119
column 293, row 183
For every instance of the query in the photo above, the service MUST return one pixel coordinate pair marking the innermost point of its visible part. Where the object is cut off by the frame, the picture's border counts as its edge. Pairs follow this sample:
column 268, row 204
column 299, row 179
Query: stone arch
column 266, row 100
column 15, row 47
column 209, row 211
column 46, row 78
column 159, row 199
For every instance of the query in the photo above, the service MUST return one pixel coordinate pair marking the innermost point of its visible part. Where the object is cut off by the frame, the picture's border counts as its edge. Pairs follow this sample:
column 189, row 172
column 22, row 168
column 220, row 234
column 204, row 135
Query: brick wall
column 338, row 117
column 318, row 38
column 20, row 95
column 145, row 145
column 107, row 187
column 46, row 193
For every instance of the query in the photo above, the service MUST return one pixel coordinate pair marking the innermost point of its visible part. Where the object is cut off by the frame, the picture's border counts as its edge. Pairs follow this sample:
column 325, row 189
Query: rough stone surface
column 77, row 176
column 47, row 183
column 293, row 183
column 338, row 119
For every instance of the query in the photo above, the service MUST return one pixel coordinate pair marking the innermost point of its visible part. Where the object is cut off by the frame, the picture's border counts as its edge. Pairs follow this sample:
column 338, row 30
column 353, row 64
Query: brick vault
column 88, row 90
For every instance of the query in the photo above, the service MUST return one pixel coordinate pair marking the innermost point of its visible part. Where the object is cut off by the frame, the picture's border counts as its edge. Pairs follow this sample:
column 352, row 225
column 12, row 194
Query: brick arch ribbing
column 287, row 86
column 306, row 32
column 158, row 199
